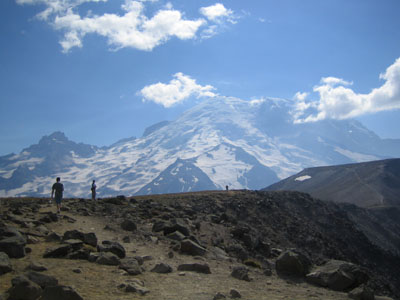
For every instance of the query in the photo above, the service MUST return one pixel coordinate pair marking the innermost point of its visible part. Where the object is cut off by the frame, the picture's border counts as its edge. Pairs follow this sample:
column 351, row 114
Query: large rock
column 24, row 289
column 192, row 248
column 177, row 225
column 292, row 263
column 88, row 238
column 12, row 242
column 130, row 265
column 113, row 247
column 196, row 267
column 60, row 292
column 162, row 268
column 5, row 263
column 41, row 279
column 58, row 251
column 362, row 293
column 338, row 275
column 241, row 273
column 108, row 258
column 128, row 225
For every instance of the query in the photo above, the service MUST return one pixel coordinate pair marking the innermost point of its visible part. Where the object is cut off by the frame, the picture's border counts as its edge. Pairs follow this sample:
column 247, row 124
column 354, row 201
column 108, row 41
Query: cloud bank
column 132, row 28
column 176, row 91
column 338, row 101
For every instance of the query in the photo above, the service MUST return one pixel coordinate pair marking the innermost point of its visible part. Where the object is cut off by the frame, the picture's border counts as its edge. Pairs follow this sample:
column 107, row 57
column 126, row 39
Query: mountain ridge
column 242, row 144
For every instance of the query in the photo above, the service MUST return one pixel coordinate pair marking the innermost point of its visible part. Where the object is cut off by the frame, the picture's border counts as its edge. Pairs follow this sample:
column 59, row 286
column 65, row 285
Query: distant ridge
column 368, row 184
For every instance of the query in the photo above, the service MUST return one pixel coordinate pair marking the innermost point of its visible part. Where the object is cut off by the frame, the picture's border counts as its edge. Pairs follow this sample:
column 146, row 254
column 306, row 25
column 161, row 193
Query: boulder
column 192, row 248
column 162, row 268
column 12, row 242
column 36, row 267
column 292, row 263
column 58, row 251
column 241, row 273
column 24, row 289
column 113, row 247
column 60, row 292
column 128, row 225
column 88, row 238
column 41, row 279
column 177, row 236
column 219, row 296
column 108, row 258
column 5, row 263
column 362, row 293
column 338, row 275
column 130, row 265
column 136, row 288
column 235, row 294
column 196, row 267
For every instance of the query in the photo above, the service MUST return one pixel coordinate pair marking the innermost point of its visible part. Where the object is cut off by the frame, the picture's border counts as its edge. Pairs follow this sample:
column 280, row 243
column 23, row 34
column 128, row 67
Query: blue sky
column 103, row 70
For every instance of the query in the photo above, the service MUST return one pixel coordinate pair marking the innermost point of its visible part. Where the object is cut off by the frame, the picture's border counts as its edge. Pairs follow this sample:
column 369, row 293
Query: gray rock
column 292, row 263
column 192, row 248
column 24, row 289
column 60, row 292
column 113, row 247
column 36, row 267
column 88, row 238
column 162, row 268
column 177, row 236
column 130, row 265
column 338, row 275
column 196, row 267
column 108, row 258
column 219, row 296
column 58, row 251
column 53, row 237
column 129, row 225
column 136, row 288
column 13, row 246
column 235, row 294
column 41, row 279
column 241, row 273
column 5, row 263
column 362, row 293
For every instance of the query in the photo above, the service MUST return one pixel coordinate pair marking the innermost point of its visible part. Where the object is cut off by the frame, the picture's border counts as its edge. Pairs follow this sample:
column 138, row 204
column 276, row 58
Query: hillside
column 262, row 245
column 375, row 183
column 223, row 141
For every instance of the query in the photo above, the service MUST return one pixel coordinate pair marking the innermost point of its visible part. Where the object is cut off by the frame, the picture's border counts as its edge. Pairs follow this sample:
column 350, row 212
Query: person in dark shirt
column 57, row 193
column 93, row 189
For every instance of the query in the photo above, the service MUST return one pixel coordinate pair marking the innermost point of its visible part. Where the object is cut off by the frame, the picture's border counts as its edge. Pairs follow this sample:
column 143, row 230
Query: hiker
column 58, row 187
column 93, row 189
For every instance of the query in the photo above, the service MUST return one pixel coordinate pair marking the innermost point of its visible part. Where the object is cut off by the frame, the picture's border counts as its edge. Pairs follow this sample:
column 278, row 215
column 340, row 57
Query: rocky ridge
column 206, row 245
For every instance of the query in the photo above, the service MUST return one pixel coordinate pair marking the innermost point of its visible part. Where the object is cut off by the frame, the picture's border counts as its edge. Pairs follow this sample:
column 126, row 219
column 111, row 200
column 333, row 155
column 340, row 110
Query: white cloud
column 338, row 101
column 216, row 12
column 130, row 29
column 177, row 90
column 300, row 96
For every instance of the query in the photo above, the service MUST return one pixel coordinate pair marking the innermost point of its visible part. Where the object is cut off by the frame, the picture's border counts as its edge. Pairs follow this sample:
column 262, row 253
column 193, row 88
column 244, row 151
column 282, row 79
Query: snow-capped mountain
column 219, row 142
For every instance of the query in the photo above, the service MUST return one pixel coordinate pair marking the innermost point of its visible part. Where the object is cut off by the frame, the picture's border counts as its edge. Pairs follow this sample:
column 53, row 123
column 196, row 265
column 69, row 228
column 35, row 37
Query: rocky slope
column 205, row 245
column 367, row 184
column 223, row 141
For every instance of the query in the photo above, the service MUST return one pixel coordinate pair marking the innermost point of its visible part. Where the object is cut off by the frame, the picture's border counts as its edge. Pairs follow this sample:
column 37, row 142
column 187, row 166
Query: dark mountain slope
column 368, row 184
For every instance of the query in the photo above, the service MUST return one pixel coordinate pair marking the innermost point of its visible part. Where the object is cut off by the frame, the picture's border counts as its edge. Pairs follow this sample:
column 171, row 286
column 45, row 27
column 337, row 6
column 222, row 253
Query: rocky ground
column 205, row 245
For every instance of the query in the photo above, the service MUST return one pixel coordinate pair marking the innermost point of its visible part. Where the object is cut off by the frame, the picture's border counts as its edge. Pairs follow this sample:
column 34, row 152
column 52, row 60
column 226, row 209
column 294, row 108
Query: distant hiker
column 93, row 189
column 227, row 187
column 58, row 187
